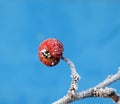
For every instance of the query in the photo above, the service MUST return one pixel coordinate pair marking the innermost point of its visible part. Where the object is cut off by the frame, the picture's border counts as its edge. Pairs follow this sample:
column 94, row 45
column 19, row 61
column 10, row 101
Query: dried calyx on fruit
column 50, row 51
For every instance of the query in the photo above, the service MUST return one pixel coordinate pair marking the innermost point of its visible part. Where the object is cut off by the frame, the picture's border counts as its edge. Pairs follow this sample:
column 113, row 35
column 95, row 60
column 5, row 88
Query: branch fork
column 100, row 90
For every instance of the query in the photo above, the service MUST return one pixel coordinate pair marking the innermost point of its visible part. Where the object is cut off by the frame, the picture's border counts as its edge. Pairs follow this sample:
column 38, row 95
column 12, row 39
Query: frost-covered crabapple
column 50, row 51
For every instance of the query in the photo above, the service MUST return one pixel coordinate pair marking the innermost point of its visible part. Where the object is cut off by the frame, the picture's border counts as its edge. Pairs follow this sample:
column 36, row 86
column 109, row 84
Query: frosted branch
column 74, row 75
column 100, row 90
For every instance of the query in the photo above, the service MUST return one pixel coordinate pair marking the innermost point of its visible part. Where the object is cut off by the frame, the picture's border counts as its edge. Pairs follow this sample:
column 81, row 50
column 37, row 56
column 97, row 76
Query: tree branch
column 99, row 90
column 74, row 75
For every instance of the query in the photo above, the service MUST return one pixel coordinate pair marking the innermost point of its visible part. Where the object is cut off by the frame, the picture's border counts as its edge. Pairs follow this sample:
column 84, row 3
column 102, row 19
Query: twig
column 74, row 75
column 74, row 84
column 109, row 80
column 100, row 90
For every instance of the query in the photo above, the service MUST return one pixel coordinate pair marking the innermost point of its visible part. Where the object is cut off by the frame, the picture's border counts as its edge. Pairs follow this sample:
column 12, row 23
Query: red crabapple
column 50, row 51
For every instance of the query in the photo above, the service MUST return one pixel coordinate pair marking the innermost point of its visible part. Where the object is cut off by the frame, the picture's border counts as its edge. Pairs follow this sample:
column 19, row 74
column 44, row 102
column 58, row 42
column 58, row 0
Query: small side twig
column 109, row 80
column 100, row 90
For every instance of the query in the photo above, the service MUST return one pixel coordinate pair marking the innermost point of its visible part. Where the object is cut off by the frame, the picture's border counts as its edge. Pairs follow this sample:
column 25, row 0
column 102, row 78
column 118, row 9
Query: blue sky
column 89, row 31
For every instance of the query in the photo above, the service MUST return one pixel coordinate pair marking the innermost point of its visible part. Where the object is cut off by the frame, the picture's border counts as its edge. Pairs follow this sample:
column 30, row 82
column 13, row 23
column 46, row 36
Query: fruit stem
column 74, row 75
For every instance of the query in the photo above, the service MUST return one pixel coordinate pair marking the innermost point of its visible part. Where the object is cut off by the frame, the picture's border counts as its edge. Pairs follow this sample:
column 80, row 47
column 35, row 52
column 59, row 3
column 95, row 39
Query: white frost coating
column 53, row 63
column 101, row 90
column 55, row 42
column 43, row 50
